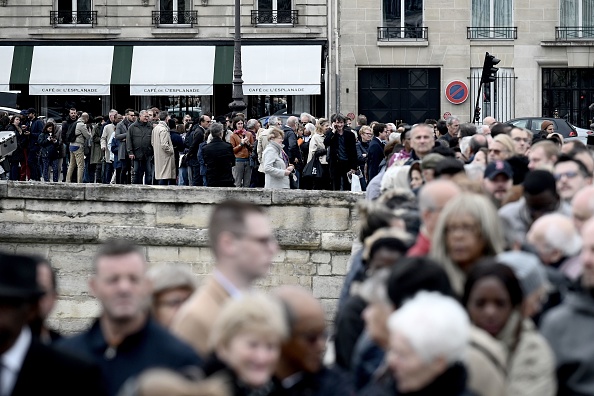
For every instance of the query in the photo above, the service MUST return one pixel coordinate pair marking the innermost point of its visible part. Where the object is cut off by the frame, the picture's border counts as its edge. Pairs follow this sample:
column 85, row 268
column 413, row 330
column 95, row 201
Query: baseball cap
column 498, row 167
column 431, row 160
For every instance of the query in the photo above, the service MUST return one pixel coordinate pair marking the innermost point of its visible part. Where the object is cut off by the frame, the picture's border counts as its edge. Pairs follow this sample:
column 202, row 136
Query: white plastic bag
column 355, row 183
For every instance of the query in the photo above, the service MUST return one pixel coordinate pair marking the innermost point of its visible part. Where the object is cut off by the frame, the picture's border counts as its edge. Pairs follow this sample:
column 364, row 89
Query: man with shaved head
column 582, row 206
column 300, row 370
column 432, row 198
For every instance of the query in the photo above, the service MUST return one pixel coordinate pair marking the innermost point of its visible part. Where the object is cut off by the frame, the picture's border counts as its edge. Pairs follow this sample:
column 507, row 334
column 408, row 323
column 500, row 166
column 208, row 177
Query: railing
column 58, row 18
column 574, row 32
column 289, row 17
column 407, row 33
column 492, row 33
column 187, row 18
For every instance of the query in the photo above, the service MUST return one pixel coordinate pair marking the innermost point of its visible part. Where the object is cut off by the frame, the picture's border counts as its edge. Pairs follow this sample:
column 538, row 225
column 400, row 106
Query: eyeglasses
column 264, row 241
column 519, row 139
column 497, row 151
column 569, row 175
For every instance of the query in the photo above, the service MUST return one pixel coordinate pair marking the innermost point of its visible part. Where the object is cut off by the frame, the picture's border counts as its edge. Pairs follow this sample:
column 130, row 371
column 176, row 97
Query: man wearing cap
column 28, row 367
column 498, row 181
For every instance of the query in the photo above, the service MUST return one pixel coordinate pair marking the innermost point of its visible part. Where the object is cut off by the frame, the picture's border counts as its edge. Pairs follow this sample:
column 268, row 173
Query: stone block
column 305, row 281
column 340, row 241
column 54, row 233
column 297, row 256
column 330, row 307
column 288, row 239
column 305, row 269
column 77, row 309
column 340, row 264
column 11, row 204
column 189, row 254
column 204, row 195
column 184, row 215
column 12, row 216
column 314, row 218
column 33, row 249
column 321, row 257
column 68, row 327
column 327, row 286
column 314, row 198
column 154, row 236
column 282, row 269
column 72, row 263
column 46, row 191
column 3, row 188
column 157, row 254
column 73, row 285
column 324, row 269
column 8, row 248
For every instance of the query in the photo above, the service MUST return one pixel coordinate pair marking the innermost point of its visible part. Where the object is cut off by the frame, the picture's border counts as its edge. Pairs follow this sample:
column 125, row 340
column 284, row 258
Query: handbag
column 313, row 168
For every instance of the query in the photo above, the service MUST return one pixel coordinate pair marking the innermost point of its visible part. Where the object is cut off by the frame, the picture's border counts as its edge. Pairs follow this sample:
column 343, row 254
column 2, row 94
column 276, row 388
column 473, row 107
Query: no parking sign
column 456, row 92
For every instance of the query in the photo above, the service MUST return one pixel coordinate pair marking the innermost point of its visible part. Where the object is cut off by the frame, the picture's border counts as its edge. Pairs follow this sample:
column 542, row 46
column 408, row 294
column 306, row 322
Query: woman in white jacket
column 276, row 162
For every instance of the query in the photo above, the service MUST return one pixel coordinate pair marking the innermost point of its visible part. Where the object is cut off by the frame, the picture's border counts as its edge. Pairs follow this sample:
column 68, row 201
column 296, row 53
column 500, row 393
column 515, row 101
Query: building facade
column 175, row 54
column 414, row 59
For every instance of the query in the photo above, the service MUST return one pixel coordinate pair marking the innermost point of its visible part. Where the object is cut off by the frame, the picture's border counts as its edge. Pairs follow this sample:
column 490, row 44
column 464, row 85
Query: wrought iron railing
column 574, row 32
column 288, row 17
column 175, row 18
column 406, row 33
column 492, row 33
column 73, row 18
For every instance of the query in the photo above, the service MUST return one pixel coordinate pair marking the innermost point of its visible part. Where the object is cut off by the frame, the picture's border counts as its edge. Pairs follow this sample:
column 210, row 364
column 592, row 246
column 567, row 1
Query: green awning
column 21, row 64
column 223, row 68
column 122, row 64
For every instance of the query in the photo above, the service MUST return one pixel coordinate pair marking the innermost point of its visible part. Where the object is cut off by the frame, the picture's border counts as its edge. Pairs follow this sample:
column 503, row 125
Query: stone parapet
column 66, row 223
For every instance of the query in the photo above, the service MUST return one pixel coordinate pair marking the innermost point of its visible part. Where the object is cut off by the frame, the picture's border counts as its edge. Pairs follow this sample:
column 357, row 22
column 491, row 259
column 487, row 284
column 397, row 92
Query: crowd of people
column 472, row 274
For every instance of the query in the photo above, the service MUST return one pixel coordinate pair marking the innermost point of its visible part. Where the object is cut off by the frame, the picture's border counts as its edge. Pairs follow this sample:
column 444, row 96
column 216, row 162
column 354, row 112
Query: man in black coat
column 125, row 341
column 375, row 154
column 196, row 137
column 343, row 152
column 219, row 159
column 140, row 149
column 28, row 366
column 291, row 143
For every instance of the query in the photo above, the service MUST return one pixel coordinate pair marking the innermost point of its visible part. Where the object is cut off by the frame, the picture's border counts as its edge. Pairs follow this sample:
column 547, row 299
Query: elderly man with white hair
column 429, row 338
column 557, row 243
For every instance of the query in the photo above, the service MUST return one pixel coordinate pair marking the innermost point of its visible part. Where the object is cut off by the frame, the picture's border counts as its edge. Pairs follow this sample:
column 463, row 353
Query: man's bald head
column 554, row 237
column 582, row 206
column 489, row 121
column 292, row 122
column 300, row 302
column 432, row 198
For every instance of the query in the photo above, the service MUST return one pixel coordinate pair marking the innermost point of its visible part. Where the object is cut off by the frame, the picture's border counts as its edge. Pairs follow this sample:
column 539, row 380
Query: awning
column 172, row 70
column 74, row 70
column 293, row 70
column 6, row 54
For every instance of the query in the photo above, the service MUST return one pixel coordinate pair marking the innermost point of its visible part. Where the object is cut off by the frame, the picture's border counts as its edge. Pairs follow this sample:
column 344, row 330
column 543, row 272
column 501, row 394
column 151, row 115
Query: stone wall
column 67, row 223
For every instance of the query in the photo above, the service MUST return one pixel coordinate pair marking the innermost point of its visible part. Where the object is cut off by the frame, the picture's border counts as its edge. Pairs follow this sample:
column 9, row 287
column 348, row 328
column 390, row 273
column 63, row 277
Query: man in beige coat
column 243, row 245
column 164, row 153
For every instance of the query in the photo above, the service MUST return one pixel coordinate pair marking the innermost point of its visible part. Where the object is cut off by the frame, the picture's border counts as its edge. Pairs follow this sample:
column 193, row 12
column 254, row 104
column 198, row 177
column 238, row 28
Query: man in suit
column 375, row 153
column 291, row 143
column 28, row 367
column 243, row 246
column 125, row 341
column 197, row 137
column 219, row 159
column 343, row 152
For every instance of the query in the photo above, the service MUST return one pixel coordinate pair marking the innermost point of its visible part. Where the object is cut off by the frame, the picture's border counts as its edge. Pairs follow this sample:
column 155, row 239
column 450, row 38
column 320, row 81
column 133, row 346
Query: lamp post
column 238, row 105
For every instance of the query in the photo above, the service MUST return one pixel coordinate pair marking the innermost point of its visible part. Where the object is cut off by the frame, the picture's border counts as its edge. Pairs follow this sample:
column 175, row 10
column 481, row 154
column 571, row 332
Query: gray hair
column 435, row 326
column 273, row 121
column 451, row 120
column 465, row 143
column 292, row 121
column 216, row 129
column 559, row 234
column 309, row 117
column 141, row 112
column 167, row 277
column 163, row 115
column 251, row 123
column 113, row 112
column 310, row 127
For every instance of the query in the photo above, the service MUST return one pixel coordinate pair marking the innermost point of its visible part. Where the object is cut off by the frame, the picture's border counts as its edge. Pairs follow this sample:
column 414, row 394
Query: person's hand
column 364, row 155
column 296, row 160
column 131, row 156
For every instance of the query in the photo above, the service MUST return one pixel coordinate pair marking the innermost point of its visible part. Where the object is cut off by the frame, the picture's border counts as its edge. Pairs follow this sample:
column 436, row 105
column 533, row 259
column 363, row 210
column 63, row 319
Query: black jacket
column 47, row 371
column 349, row 327
column 291, row 146
column 138, row 140
column 374, row 158
column 197, row 137
column 219, row 159
column 152, row 346
column 22, row 141
column 350, row 141
column 327, row 382
column 49, row 149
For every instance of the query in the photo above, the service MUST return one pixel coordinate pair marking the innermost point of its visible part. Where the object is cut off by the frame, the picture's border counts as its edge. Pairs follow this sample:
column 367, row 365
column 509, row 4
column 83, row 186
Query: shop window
column 492, row 19
column 273, row 12
column 402, row 19
column 73, row 12
column 576, row 19
column 175, row 12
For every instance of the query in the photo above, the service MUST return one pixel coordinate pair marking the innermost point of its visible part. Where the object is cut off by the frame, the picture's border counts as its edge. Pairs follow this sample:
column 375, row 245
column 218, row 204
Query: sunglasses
column 569, row 175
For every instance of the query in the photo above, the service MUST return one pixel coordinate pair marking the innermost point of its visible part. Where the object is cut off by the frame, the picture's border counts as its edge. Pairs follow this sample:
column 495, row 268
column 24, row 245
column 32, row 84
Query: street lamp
column 238, row 105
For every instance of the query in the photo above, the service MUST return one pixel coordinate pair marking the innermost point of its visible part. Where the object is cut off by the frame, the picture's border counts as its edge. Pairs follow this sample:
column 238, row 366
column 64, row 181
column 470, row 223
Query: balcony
column 173, row 18
column 288, row 17
column 564, row 33
column 73, row 18
column 407, row 33
column 492, row 33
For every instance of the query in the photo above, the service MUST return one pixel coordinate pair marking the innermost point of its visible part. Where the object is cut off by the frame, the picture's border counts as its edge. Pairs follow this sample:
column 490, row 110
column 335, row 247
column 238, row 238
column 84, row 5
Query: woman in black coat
column 18, row 156
column 50, row 150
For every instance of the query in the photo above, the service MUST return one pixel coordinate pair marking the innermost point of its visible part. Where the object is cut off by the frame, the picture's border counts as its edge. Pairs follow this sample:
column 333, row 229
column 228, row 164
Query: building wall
column 67, row 223
column 130, row 20
column 449, row 49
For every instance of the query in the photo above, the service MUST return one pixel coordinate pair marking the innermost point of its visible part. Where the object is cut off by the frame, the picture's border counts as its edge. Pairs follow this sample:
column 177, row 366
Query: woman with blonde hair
column 277, row 169
column 468, row 230
column 318, row 149
column 501, row 148
column 246, row 339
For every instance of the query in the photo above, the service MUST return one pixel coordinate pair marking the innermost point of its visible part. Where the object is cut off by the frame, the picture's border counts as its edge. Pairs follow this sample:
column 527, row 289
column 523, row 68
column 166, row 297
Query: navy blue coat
column 375, row 155
column 152, row 346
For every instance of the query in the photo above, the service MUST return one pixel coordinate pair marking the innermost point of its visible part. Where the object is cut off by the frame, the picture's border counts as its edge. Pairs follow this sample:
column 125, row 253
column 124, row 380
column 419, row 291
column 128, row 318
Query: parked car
column 562, row 126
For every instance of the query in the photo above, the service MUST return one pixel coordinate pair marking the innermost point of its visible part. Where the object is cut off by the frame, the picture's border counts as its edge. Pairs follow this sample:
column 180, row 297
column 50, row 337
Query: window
column 576, row 19
column 402, row 19
column 74, row 12
column 175, row 12
column 497, row 97
column 492, row 19
column 274, row 12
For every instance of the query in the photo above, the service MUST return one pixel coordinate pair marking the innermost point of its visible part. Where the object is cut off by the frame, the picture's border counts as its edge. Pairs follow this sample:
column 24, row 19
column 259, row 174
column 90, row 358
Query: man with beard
column 498, row 181
column 568, row 328
column 68, row 123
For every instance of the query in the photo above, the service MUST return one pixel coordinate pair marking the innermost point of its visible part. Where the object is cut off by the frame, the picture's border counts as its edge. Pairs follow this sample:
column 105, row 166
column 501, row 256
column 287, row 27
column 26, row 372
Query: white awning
column 172, row 70
column 6, row 54
column 291, row 70
column 71, row 70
